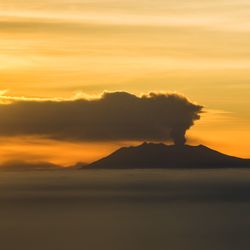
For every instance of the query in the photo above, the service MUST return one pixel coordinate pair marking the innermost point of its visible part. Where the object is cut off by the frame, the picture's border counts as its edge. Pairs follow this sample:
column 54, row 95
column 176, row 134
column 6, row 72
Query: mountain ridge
column 159, row 155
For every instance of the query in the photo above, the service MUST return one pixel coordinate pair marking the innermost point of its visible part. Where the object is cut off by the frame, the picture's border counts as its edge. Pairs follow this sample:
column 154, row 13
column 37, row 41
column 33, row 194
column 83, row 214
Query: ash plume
column 115, row 116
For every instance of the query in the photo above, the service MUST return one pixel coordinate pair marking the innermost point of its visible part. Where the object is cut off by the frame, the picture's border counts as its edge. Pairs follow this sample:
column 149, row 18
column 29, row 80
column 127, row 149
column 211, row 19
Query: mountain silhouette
column 151, row 155
column 28, row 166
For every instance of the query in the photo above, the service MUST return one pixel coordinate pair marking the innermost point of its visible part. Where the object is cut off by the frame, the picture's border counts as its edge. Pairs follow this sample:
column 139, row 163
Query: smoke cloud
column 112, row 117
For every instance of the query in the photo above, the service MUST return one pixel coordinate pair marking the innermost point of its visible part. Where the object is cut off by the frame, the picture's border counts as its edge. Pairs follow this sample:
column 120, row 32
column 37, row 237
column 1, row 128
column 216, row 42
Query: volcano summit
column 153, row 156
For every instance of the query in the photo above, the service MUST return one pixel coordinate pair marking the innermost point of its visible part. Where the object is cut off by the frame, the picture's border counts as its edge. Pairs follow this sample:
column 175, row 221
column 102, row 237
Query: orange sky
column 68, row 49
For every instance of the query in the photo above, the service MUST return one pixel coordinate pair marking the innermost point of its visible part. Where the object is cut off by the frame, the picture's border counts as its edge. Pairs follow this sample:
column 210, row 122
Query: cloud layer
column 115, row 116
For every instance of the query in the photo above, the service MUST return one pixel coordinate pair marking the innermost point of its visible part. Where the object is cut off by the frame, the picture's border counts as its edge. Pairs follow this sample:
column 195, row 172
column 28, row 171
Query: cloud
column 115, row 116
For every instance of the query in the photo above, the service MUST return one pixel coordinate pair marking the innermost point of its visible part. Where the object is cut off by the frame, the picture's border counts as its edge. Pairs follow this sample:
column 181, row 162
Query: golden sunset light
column 68, row 49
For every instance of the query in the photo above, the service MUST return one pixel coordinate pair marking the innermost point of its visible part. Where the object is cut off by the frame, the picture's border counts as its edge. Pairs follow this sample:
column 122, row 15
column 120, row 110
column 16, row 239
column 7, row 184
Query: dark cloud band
column 114, row 116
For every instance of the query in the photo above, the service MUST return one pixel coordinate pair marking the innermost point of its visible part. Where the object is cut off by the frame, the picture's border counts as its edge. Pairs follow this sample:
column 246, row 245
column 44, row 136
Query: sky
column 68, row 49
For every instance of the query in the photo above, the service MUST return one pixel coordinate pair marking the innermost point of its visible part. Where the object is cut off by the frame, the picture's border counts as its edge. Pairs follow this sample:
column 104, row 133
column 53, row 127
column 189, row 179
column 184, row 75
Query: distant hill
column 150, row 155
column 23, row 166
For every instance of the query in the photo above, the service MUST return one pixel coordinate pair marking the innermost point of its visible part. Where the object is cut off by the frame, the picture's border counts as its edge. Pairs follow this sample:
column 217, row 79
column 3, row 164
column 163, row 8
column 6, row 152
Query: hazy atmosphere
column 121, row 210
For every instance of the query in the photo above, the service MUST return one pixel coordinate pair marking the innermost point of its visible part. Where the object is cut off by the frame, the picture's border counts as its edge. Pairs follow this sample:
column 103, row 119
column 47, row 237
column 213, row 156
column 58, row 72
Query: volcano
column 154, row 156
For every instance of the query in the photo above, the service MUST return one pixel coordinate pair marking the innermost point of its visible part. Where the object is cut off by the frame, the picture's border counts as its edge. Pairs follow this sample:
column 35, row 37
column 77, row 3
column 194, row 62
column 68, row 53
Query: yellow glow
column 224, row 132
column 62, row 153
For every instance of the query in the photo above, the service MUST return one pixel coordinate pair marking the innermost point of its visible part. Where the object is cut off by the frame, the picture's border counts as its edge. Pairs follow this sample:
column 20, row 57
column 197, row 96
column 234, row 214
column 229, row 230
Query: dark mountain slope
column 150, row 155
